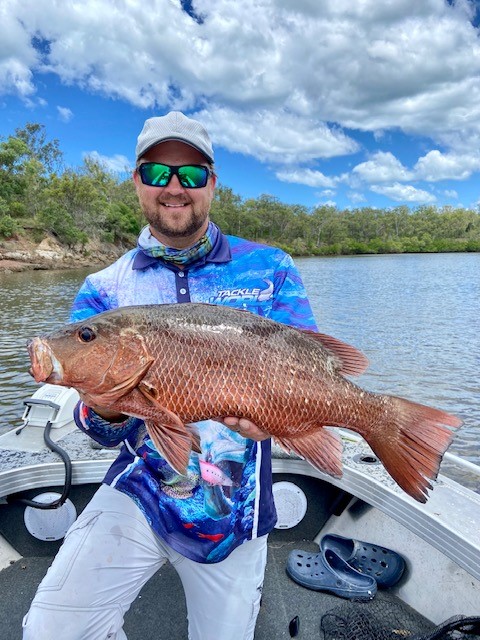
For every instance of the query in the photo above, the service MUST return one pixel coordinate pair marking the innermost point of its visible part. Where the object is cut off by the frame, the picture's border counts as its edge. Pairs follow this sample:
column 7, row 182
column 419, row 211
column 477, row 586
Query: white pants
column 107, row 556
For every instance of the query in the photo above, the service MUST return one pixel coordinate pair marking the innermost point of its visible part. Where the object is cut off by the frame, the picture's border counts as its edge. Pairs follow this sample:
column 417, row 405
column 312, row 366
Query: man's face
column 178, row 217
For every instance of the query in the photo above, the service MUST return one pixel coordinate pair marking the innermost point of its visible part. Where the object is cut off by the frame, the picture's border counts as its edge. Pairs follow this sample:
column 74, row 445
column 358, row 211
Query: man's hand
column 245, row 428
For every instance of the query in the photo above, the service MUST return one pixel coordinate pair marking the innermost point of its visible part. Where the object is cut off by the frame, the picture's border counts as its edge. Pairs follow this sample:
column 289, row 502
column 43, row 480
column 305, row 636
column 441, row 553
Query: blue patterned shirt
column 226, row 496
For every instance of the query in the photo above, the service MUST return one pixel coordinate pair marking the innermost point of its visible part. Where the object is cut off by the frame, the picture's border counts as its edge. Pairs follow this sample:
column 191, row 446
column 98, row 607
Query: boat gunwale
column 435, row 521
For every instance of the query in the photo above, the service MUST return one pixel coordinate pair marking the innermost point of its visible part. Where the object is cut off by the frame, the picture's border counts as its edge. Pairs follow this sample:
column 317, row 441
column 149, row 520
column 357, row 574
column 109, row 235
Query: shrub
column 8, row 226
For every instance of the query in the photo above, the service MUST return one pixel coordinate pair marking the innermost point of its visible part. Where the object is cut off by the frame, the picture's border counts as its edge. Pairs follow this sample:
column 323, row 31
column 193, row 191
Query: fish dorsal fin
column 352, row 361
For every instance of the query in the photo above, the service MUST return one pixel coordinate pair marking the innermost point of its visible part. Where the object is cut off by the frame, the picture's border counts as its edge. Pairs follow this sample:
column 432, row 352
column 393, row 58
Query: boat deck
column 161, row 604
column 437, row 533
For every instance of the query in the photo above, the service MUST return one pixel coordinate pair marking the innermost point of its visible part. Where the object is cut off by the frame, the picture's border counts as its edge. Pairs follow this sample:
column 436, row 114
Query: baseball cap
column 174, row 126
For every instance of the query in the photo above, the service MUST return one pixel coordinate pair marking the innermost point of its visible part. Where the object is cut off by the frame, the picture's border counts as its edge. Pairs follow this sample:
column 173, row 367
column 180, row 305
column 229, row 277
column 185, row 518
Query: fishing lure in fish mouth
column 176, row 364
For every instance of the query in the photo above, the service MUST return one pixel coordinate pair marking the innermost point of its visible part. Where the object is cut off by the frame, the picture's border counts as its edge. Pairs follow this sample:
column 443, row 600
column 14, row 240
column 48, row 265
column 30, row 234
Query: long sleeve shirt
column 226, row 496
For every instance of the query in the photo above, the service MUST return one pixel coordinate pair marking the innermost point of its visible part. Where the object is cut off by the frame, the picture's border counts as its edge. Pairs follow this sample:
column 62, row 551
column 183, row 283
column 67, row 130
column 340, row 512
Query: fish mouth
column 45, row 366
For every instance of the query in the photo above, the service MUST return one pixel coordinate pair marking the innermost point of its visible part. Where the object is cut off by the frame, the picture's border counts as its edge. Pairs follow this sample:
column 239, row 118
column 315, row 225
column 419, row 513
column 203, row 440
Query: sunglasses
column 190, row 176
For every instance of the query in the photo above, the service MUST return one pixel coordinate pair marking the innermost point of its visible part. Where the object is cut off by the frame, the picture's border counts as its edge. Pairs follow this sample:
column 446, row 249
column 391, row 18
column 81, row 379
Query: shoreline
column 20, row 266
column 20, row 255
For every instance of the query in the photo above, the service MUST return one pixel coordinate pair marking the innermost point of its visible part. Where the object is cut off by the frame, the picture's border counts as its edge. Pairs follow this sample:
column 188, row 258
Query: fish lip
column 44, row 365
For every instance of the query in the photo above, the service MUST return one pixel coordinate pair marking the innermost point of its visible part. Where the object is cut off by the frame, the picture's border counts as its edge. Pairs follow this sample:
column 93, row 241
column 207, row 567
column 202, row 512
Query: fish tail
column 411, row 443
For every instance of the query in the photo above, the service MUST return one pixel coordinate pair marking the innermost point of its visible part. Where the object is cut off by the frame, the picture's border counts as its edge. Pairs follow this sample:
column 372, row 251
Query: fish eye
column 86, row 334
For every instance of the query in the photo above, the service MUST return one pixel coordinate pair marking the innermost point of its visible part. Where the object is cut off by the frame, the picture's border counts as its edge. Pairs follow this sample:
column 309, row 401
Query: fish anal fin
column 352, row 362
column 322, row 448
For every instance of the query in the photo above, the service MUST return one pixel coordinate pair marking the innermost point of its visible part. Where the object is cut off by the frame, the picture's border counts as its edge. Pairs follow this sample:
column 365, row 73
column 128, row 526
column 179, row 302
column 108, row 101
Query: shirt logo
column 243, row 294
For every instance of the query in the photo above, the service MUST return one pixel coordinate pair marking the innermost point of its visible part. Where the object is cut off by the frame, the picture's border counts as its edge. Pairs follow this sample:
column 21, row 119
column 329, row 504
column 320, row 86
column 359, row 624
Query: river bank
column 25, row 255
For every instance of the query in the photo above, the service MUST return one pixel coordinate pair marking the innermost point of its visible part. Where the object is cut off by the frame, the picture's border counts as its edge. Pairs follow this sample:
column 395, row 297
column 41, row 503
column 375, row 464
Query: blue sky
column 347, row 103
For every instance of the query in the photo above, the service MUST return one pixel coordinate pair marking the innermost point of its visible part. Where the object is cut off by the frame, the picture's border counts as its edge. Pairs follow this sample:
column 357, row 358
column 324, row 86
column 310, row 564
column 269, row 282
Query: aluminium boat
column 47, row 459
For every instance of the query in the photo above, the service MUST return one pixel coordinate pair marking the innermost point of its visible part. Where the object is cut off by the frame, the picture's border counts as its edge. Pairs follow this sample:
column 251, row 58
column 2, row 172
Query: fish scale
column 173, row 365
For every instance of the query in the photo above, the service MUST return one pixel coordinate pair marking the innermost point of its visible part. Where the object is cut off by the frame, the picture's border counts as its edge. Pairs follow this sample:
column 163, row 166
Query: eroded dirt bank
column 24, row 255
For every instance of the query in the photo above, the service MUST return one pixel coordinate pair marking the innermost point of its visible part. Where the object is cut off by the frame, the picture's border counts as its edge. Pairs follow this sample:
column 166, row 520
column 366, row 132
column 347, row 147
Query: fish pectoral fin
column 322, row 448
column 195, row 436
column 167, row 416
column 352, row 362
column 172, row 438
column 148, row 391
column 172, row 443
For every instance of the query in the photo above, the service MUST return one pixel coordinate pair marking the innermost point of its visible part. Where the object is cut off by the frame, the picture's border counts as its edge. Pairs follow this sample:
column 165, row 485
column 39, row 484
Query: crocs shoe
column 328, row 572
column 385, row 565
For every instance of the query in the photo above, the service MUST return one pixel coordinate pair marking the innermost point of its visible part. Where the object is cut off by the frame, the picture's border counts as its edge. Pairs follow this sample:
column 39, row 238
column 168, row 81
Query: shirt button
column 183, row 291
column 181, row 274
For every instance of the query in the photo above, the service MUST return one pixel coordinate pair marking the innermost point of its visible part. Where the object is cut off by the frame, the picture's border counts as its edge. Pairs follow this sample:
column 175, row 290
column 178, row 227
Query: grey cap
column 174, row 126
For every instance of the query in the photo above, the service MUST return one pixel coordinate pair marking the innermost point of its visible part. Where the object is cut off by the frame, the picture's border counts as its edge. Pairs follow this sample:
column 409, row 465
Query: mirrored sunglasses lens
column 193, row 177
column 155, row 175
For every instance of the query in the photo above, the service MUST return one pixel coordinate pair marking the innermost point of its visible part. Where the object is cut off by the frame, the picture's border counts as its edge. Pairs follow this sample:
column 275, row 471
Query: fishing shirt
column 226, row 496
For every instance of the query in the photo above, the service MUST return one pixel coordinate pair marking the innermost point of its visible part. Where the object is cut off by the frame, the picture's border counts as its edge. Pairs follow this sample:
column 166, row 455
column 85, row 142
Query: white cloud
column 15, row 77
column 116, row 163
column 435, row 166
column 451, row 193
column 65, row 114
column 306, row 176
column 367, row 65
column 356, row 198
column 383, row 167
column 284, row 81
column 17, row 56
column 404, row 193
column 327, row 203
column 275, row 135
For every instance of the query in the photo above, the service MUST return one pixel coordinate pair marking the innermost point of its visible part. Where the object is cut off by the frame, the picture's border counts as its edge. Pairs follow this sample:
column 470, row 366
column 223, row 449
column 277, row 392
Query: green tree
column 13, row 182
column 226, row 210
column 8, row 226
column 121, row 223
column 47, row 153
column 60, row 223
column 328, row 225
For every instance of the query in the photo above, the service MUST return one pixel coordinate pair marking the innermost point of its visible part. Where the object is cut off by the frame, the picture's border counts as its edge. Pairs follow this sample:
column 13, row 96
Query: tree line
column 39, row 195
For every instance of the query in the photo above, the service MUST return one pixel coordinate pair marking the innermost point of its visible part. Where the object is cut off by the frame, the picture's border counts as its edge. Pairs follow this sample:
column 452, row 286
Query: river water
column 416, row 317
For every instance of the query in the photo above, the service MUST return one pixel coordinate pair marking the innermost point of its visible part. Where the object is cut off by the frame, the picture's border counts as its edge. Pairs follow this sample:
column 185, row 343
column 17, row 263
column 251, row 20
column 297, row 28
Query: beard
column 180, row 226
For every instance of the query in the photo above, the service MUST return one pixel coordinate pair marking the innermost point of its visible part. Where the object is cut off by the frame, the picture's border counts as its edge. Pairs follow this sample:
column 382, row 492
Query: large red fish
column 177, row 364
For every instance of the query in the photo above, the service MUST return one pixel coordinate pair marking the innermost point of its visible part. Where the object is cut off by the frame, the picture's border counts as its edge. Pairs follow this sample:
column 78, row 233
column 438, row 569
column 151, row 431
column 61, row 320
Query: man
column 211, row 524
